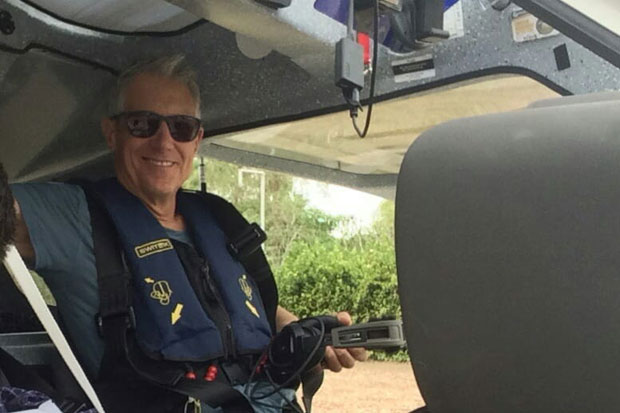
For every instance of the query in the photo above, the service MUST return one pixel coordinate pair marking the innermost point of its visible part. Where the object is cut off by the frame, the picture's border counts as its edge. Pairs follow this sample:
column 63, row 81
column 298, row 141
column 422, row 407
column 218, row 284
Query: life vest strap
column 248, row 242
column 116, row 314
column 172, row 376
column 255, row 262
column 127, row 318
column 115, row 297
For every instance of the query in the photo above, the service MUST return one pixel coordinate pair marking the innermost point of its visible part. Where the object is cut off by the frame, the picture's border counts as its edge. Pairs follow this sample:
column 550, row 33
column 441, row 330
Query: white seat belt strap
column 22, row 278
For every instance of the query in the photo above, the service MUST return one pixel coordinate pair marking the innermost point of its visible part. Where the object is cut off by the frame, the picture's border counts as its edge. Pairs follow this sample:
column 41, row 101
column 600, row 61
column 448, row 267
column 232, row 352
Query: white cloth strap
column 22, row 278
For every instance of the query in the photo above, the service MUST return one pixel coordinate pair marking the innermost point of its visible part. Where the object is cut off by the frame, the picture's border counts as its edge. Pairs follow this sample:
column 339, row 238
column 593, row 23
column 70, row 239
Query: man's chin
column 161, row 189
column 152, row 190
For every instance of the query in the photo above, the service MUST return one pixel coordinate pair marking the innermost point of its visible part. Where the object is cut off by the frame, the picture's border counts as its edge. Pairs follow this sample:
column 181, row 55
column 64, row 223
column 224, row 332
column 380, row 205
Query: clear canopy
column 330, row 140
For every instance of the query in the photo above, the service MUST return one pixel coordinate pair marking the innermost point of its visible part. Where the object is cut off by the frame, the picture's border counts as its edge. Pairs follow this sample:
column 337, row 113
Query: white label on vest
column 153, row 247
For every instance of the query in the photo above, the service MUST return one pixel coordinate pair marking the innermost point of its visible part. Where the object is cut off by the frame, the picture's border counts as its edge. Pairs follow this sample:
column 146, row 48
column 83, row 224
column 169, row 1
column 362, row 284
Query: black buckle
column 248, row 242
column 129, row 316
column 235, row 372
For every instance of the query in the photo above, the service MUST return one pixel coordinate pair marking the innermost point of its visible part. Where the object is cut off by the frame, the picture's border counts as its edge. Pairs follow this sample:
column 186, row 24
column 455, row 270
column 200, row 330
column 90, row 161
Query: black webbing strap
column 247, row 240
column 215, row 394
column 169, row 375
column 311, row 381
column 115, row 315
column 4, row 381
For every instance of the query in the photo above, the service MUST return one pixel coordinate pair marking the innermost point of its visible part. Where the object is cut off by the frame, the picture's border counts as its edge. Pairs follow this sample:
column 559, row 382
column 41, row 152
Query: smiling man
column 161, row 313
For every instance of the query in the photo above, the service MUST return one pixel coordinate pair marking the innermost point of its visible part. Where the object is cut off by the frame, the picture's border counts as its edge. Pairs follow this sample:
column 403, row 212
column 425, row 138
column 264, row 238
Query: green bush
column 356, row 275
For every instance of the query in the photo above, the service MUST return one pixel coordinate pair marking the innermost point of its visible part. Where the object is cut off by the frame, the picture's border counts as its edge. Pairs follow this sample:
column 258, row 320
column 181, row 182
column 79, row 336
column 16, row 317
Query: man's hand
column 337, row 358
column 7, row 213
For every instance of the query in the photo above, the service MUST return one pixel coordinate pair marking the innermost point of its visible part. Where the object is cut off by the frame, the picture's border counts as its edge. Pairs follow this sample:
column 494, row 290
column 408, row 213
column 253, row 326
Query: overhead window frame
column 579, row 27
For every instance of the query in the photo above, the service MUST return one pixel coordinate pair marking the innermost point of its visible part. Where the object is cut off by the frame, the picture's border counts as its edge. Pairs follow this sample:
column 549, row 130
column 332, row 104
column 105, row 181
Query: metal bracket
column 500, row 5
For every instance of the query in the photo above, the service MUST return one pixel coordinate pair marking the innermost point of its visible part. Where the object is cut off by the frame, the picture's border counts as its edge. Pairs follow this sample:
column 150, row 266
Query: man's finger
column 344, row 318
column 359, row 353
column 331, row 360
column 345, row 358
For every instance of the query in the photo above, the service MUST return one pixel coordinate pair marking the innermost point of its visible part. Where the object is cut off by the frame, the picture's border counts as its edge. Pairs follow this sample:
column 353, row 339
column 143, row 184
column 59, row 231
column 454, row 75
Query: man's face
column 152, row 168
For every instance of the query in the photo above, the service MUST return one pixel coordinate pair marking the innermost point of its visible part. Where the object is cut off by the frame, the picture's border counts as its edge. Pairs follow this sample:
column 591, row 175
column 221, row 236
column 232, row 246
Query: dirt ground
column 370, row 387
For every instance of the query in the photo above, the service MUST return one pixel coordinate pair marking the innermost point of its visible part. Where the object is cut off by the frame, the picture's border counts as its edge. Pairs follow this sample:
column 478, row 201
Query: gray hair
column 174, row 67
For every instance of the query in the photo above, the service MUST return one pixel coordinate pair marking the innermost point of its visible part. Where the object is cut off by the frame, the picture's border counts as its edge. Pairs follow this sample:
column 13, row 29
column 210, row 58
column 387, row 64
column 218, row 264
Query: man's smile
column 159, row 162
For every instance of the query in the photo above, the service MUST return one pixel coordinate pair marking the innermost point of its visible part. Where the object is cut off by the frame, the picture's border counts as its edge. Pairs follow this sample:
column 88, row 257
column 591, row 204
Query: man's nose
column 163, row 136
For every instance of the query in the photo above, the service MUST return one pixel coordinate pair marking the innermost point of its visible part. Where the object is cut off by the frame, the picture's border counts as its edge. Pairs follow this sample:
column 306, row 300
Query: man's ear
column 108, row 128
column 198, row 139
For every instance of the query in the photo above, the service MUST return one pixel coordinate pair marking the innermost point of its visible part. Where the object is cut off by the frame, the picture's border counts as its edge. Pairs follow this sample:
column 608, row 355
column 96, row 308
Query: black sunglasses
column 144, row 124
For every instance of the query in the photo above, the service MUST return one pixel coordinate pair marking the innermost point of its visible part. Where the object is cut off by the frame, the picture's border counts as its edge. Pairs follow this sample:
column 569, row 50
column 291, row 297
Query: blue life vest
column 170, row 321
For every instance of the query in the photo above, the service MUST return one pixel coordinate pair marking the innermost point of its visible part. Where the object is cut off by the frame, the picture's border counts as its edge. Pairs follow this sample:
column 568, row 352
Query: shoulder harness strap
column 245, row 241
column 113, row 278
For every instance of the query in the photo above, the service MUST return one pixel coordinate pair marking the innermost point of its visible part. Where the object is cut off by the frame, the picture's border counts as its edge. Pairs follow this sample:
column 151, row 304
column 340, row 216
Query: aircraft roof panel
column 70, row 67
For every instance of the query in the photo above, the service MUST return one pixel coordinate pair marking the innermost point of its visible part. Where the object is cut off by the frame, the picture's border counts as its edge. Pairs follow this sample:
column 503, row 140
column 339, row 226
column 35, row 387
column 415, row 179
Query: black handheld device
column 301, row 345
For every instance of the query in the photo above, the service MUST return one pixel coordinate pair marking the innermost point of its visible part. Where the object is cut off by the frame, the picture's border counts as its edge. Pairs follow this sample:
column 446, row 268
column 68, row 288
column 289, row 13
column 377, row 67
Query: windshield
column 330, row 140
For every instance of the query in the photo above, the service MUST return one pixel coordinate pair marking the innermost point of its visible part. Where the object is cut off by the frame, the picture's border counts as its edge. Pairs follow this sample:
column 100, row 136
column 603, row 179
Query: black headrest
column 508, row 257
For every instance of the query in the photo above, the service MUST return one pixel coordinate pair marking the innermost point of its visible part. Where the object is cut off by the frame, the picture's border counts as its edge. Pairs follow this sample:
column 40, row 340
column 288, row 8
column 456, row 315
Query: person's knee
column 7, row 213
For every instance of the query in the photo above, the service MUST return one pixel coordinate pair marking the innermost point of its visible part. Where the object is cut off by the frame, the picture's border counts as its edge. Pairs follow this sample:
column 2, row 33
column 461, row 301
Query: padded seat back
column 508, row 258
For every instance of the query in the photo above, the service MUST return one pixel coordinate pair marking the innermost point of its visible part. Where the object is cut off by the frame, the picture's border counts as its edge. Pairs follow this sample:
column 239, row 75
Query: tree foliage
column 287, row 217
